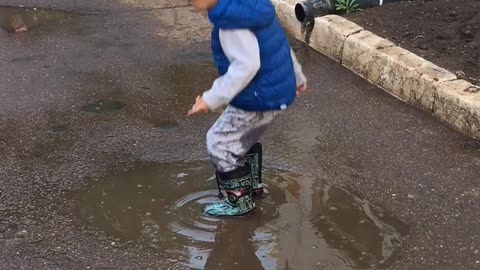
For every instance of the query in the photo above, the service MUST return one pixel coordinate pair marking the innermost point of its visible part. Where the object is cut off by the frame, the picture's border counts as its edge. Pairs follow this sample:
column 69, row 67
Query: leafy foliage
column 347, row 6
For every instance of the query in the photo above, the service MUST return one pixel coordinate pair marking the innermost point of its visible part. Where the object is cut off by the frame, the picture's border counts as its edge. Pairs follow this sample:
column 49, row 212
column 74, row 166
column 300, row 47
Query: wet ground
column 92, row 110
column 301, row 222
column 14, row 18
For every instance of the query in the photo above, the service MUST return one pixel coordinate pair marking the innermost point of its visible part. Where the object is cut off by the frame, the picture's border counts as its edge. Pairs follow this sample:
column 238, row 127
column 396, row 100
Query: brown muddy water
column 12, row 18
column 300, row 223
column 103, row 106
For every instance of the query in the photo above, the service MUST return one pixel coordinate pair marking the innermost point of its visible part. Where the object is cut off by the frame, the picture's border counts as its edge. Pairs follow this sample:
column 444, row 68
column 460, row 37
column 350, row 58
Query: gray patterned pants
column 234, row 133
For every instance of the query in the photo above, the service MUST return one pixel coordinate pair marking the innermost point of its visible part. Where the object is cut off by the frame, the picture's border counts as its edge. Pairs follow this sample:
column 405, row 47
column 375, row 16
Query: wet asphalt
column 155, row 60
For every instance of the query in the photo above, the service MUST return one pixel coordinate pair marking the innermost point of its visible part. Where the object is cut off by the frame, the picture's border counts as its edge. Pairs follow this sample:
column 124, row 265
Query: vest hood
column 242, row 14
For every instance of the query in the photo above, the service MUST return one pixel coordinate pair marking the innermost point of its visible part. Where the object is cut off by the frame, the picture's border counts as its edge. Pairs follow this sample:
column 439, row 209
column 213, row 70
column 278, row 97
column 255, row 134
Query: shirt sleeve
column 301, row 78
column 242, row 50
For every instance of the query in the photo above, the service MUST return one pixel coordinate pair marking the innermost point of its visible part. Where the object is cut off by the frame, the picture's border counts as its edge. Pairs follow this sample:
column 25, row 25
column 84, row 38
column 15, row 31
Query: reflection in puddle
column 17, row 19
column 299, row 224
column 103, row 106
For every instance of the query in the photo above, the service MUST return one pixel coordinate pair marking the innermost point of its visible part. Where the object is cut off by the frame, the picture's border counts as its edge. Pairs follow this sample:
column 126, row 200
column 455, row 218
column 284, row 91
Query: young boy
column 260, row 77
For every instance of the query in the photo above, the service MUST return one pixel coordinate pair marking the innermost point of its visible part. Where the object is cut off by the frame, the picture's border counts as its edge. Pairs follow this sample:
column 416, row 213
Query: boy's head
column 204, row 4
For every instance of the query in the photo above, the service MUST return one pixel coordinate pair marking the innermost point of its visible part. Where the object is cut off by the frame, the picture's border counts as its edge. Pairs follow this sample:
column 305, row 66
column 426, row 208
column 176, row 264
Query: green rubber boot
column 238, row 187
column 254, row 159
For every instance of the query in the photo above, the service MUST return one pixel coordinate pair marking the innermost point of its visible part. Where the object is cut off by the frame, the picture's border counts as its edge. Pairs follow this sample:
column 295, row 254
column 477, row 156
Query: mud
column 300, row 222
column 446, row 32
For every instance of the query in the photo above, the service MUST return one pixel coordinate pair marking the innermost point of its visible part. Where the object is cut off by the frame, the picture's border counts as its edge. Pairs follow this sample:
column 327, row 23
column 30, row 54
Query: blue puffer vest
column 274, row 86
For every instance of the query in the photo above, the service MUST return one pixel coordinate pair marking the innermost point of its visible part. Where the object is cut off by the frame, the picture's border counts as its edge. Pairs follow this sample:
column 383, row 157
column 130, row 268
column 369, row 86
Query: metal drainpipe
column 307, row 11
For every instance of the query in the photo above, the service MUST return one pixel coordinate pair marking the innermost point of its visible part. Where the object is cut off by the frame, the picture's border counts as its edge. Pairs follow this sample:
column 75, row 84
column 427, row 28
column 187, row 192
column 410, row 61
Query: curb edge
column 397, row 71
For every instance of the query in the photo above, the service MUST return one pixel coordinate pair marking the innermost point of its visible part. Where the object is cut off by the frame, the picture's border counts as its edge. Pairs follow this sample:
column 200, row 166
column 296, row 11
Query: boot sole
column 247, row 214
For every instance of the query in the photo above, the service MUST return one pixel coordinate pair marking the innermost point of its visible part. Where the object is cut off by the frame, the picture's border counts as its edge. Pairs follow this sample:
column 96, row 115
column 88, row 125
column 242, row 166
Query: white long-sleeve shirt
column 242, row 50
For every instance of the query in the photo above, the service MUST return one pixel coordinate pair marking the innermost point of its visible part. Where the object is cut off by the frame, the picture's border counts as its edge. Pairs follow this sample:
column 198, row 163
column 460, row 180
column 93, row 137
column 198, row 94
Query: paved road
column 156, row 60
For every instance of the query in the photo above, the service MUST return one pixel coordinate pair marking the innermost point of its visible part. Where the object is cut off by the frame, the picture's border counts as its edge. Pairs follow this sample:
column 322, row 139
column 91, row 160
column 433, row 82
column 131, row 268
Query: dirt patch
column 446, row 32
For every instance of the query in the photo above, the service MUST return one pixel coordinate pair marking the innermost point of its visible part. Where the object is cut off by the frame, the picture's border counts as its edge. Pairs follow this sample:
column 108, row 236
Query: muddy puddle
column 299, row 224
column 19, row 19
column 103, row 106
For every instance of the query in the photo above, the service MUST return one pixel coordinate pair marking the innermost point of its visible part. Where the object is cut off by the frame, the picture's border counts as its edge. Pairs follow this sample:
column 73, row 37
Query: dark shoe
column 238, row 187
column 254, row 159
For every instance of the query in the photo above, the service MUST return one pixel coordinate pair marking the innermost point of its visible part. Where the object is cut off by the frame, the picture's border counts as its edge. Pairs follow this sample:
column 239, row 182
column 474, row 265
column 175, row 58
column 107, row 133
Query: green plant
column 347, row 6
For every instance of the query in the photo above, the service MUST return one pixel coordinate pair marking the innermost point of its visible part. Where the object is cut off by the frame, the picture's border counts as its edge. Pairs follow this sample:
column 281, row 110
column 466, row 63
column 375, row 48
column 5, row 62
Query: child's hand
column 301, row 89
column 199, row 107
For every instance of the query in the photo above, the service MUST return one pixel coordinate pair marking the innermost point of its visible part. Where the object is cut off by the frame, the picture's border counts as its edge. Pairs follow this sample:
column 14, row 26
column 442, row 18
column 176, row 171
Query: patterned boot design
column 254, row 159
column 238, row 187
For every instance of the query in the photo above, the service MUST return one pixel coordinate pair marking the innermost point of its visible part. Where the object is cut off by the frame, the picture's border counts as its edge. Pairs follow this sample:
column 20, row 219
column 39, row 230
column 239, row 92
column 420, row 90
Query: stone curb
column 396, row 70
